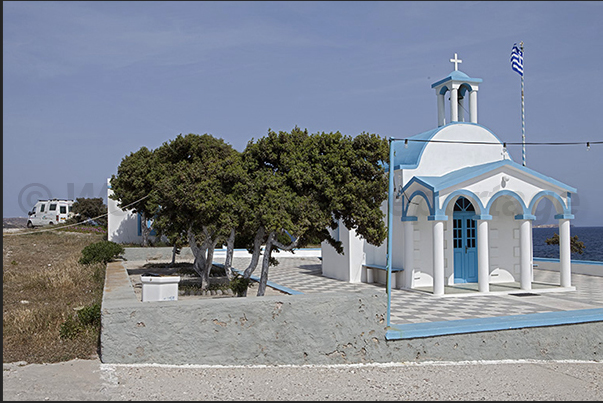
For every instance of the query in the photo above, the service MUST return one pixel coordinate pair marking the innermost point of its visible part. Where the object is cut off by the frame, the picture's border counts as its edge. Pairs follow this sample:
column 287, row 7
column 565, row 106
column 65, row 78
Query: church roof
column 408, row 155
column 438, row 183
column 457, row 75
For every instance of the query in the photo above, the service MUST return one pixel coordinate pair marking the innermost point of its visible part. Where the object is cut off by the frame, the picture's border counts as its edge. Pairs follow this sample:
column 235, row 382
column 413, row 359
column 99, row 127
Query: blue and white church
column 462, row 208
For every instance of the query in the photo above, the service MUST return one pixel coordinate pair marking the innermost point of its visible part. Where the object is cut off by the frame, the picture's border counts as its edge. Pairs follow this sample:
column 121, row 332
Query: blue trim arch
column 464, row 88
column 544, row 194
column 511, row 193
column 406, row 204
column 472, row 197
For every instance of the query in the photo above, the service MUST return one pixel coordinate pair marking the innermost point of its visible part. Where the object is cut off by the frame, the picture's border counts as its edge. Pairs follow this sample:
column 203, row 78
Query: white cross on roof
column 456, row 62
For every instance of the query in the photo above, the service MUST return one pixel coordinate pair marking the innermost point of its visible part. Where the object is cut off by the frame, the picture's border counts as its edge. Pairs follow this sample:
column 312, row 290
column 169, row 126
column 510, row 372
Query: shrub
column 90, row 315
column 102, row 251
column 86, row 316
column 70, row 328
column 239, row 285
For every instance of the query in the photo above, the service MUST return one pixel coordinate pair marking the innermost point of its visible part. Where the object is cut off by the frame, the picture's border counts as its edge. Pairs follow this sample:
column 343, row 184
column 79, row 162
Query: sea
column 592, row 237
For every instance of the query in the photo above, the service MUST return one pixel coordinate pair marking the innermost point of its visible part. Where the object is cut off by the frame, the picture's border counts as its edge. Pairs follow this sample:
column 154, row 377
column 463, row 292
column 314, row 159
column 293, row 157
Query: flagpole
column 523, row 119
column 390, row 224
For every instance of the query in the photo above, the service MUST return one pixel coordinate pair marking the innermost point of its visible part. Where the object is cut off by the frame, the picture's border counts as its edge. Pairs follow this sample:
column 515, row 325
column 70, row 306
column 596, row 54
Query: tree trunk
column 209, row 263
column 192, row 241
column 174, row 253
column 200, row 265
column 255, row 257
column 271, row 242
column 266, row 264
column 229, row 254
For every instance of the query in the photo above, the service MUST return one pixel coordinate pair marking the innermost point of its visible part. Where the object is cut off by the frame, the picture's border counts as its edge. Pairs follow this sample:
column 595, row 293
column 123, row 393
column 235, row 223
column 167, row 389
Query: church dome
column 450, row 147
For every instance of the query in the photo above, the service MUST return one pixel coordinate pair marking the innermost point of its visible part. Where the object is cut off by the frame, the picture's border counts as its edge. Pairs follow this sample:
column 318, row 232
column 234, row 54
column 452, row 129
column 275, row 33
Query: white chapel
column 462, row 208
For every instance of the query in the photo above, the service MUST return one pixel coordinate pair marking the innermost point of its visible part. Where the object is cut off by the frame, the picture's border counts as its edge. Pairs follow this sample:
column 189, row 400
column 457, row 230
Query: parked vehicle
column 50, row 212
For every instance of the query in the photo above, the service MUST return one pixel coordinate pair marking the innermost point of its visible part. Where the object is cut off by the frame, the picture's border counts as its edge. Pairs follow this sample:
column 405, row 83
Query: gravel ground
column 493, row 380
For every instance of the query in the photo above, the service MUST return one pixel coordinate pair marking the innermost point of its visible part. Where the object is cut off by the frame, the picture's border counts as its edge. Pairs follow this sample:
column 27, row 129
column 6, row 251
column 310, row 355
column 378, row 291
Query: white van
column 49, row 212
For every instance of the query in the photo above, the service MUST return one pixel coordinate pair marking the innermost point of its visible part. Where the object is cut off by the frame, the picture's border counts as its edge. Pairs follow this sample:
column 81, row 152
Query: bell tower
column 461, row 87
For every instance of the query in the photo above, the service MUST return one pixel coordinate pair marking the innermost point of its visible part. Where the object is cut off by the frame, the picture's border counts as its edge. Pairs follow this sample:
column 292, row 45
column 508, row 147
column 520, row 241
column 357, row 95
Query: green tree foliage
column 348, row 176
column 133, row 186
column 173, row 229
column 575, row 245
column 301, row 184
column 90, row 208
column 194, row 178
column 283, row 192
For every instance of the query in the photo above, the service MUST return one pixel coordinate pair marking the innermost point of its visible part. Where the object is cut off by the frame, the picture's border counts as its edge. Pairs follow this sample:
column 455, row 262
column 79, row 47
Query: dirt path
column 503, row 380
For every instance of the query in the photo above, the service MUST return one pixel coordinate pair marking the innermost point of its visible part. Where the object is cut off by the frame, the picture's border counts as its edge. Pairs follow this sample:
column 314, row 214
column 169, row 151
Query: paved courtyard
column 304, row 274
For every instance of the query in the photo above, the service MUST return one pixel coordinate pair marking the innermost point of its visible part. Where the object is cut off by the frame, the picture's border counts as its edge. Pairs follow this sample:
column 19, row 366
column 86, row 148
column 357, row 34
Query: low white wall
column 165, row 253
column 588, row 267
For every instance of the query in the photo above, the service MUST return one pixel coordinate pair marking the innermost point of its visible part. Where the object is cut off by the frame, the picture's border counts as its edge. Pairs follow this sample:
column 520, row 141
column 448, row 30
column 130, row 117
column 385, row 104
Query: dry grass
column 43, row 285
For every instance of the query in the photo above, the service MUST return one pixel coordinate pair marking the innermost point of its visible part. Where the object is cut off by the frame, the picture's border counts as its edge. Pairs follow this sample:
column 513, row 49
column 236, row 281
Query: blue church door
column 464, row 239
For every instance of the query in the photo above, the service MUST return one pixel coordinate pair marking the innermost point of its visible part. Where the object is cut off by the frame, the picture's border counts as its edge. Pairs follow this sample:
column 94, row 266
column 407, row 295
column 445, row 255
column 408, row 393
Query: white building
column 123, row 226
column 462, row 212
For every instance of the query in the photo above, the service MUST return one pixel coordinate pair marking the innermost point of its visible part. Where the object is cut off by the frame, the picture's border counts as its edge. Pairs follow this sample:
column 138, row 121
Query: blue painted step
column 429, row 329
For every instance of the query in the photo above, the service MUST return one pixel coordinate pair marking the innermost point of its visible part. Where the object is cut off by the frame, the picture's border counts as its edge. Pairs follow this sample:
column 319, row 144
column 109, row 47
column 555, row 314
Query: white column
column 454, row 106
column 409, row 250
column 525, row 268
column 399, row 279
column 565, row 257
column 473, row 106
column 438, row 257
column 483, row 257
column 441, row 110
column 369, row 275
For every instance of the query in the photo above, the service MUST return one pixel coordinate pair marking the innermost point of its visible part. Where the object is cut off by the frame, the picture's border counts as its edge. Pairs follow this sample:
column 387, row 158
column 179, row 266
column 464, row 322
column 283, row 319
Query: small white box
column 159, row 288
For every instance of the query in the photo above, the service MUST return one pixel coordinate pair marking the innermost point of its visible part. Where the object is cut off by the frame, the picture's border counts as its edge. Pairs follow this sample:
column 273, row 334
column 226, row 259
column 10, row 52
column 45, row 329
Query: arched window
column 463, row 204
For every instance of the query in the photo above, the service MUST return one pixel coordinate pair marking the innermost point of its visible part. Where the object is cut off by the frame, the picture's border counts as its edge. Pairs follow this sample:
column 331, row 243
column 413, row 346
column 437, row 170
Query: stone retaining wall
column 329, row 328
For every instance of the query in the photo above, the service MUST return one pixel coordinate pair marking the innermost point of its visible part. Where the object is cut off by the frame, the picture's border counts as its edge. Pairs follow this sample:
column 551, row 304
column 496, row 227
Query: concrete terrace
column 584, row 300
column 301, row 273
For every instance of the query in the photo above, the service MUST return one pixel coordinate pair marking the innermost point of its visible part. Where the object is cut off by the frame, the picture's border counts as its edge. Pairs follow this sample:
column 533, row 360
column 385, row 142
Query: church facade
column 462, row 208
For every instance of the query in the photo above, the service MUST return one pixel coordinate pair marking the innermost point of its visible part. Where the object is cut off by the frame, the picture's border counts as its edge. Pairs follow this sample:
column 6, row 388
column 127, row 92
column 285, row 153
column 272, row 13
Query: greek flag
column 517, row 60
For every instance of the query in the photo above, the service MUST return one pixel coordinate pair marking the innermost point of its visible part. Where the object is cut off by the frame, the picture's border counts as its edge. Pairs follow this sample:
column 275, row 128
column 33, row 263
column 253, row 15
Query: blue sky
column 87, row 83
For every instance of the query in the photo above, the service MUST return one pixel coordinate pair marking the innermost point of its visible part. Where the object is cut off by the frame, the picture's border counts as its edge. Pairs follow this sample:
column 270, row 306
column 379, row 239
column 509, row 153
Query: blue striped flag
column 517, row 60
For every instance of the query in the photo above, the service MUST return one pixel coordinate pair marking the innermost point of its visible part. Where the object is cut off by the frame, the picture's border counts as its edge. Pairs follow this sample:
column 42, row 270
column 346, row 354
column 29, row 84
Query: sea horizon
column 591, row 236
